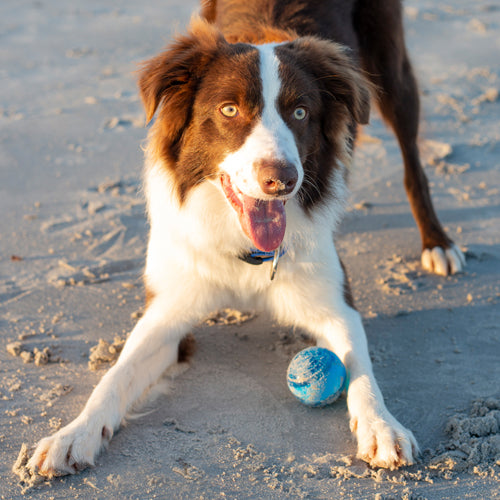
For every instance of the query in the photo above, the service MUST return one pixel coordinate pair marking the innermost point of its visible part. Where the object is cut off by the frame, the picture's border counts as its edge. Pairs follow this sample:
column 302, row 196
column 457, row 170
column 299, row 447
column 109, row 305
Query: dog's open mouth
column 263, row 221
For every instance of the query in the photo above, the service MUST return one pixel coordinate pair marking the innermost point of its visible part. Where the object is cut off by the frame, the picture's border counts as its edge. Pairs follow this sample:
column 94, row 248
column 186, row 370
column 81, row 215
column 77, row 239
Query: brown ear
column 169, row 80
column 338, row 76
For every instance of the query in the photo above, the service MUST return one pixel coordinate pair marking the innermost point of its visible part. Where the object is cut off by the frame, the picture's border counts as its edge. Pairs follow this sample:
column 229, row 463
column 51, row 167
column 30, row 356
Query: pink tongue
column 264, row 222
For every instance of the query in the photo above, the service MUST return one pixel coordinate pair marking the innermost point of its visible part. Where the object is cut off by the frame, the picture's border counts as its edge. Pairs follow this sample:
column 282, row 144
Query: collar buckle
column 276, row 258
column 257, row 257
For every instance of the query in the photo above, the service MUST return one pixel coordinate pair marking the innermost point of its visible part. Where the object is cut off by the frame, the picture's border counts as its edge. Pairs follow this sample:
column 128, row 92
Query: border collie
column 247, row 161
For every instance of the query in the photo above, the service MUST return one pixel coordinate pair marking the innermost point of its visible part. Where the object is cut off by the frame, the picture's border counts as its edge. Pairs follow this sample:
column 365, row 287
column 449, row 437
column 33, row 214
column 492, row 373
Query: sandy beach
column 73, row 236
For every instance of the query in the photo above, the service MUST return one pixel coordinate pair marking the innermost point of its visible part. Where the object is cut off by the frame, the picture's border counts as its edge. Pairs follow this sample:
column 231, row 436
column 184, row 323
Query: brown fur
column 186, row 349
column 149, row 295
column 349, row 299
column 383, row 54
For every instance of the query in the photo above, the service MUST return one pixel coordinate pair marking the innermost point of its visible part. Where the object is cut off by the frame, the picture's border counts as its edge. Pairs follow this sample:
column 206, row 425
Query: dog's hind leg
column 384, row 58
column 151, row 348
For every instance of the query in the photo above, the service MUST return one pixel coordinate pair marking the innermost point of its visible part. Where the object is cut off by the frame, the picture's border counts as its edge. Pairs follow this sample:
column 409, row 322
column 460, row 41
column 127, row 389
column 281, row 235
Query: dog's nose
column 276, row 177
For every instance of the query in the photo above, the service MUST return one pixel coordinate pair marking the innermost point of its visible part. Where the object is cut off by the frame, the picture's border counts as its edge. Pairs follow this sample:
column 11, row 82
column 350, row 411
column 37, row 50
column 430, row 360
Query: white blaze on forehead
column 270, row 137
column 271, row 84
column 272, row 120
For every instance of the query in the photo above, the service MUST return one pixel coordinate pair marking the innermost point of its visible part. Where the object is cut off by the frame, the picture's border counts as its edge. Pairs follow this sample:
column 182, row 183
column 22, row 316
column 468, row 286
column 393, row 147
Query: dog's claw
column 386, row 443
column 68, row 451
column 443, row 262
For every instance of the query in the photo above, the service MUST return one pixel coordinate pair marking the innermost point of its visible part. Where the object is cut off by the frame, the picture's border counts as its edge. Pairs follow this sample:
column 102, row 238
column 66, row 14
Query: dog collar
column 257, row 257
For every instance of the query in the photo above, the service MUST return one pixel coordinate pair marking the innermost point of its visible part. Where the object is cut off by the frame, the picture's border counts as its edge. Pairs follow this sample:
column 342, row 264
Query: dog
column 246, row 167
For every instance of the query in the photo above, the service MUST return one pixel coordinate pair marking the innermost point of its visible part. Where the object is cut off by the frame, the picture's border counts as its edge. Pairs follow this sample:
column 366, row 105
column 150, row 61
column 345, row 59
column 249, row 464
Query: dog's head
column 267, row 121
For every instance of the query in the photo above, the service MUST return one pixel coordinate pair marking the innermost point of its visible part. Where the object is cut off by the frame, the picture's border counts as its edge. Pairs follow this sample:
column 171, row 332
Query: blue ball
column 316, row 376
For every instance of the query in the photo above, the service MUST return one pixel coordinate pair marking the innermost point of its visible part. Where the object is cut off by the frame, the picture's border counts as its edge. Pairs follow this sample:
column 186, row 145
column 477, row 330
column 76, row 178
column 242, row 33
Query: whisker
column 304, row 194
column 205, row 177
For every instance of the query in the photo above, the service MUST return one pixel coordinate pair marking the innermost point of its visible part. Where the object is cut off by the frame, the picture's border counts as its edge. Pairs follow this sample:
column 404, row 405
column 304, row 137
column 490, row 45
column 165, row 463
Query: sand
column 72, row 246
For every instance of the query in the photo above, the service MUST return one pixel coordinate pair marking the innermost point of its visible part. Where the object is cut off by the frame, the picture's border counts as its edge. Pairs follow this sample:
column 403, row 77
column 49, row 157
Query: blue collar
column 257, row 257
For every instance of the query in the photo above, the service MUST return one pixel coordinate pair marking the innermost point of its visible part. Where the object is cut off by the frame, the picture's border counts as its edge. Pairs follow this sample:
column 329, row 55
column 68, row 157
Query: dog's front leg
column 317, row 302
column 382, row 440
column 151, row 348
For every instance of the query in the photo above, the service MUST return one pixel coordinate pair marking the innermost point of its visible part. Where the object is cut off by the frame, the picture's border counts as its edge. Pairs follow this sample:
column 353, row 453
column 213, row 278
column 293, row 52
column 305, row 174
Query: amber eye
column 300, row 113
column 229, row 110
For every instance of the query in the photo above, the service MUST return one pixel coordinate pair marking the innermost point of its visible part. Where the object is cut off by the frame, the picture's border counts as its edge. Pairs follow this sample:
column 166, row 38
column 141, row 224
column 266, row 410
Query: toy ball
column 316, row 376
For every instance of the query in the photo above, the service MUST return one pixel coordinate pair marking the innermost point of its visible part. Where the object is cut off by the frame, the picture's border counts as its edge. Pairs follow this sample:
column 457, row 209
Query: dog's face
column 267, row 122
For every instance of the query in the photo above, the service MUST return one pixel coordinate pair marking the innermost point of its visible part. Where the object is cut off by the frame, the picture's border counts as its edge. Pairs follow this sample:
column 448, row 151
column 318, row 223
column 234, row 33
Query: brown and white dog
column 257, row 108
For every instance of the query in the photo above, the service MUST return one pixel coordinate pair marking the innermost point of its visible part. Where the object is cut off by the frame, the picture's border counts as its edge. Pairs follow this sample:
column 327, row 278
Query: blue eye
column 229, row 110
column 300, row 113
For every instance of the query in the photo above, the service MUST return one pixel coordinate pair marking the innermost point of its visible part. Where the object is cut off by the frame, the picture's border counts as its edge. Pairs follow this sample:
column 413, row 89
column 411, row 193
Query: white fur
column 270, row 138
column 192, row 268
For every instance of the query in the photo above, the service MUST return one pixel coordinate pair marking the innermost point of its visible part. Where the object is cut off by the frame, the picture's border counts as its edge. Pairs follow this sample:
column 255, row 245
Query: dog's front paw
column 71, row 449
column 443, row 261
column 384, row 442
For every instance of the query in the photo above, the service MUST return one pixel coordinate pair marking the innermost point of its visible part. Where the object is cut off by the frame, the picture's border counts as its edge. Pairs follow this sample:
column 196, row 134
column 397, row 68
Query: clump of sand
column 399, row 276
column 474, row 442
column 53, row 394
column 104, row 352
column 38, row 356
column 27, row 478
column 434, row 151
column 229, row 317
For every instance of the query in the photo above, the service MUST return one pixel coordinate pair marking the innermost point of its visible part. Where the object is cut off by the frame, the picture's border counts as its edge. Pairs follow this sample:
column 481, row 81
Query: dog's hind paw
column 443, row 261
